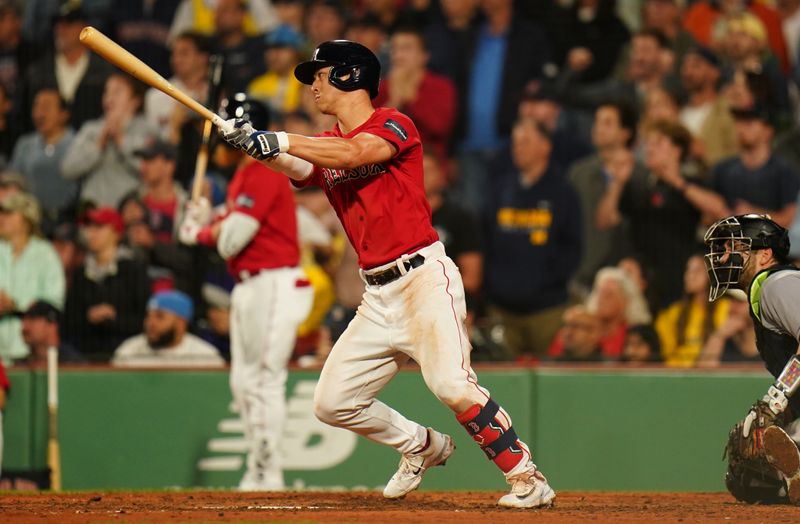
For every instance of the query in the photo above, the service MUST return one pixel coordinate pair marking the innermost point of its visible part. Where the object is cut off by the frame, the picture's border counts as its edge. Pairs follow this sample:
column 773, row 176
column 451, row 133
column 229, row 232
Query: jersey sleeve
column 256, row 195
column 396, row 128
column 779, row 299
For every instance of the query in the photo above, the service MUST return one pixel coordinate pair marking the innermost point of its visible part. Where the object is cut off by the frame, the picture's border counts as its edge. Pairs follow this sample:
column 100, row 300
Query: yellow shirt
column 666, row 326
column 280, row 93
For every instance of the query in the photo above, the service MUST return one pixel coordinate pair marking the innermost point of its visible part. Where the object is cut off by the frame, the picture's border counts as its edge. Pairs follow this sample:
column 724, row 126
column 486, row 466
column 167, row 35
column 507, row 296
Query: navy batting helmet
column 353, row 66
column 728, row 239
column 241, row 106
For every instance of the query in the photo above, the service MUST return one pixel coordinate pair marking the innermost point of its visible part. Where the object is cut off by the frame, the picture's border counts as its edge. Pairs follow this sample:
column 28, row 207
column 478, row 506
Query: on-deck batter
column 370, row 166
column 257, row 236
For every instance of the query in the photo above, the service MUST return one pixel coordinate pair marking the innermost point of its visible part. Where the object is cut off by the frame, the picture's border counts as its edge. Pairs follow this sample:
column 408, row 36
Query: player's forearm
column 291, row 166
column 330, row 152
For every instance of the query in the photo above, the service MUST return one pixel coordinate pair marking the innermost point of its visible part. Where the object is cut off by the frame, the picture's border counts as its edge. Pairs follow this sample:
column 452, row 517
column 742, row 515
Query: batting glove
column 237, row 132
column 267, row 144
column 199, row 211
column 188, row 232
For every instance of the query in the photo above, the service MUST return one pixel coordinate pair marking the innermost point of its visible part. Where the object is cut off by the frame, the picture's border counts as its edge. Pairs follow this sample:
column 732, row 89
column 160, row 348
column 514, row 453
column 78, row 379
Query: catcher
column 750, row 252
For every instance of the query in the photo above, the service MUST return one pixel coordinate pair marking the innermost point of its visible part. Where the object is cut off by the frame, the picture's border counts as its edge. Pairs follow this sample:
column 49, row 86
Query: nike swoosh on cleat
column 416, row 472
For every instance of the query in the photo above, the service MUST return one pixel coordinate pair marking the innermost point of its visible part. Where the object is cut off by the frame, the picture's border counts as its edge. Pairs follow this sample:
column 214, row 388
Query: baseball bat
column 215, row 80
column 53, row 447
column 115, row 54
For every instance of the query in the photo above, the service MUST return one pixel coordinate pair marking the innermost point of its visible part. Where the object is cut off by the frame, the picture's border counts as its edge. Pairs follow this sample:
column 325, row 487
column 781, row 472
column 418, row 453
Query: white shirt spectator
column 190, row 352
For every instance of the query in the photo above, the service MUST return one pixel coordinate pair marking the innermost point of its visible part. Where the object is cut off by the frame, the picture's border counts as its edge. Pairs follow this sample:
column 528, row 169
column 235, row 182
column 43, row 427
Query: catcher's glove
column 746, row 439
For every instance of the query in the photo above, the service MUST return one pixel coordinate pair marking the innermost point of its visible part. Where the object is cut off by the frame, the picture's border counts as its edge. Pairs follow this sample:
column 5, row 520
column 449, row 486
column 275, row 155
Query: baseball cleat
column 529, row 489
column 781, row 451
column 414, row 465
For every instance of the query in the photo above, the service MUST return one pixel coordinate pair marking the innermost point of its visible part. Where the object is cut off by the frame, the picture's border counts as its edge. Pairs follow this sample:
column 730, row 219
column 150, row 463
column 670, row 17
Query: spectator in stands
column 789, row 11
column 388, row 13
column 40, row 331
column 588, row 35
column 757, row 180
column 9, row 128
column 5, row 385
column 613, row 135
column 278, row 87
column 106, row 302
column 579, row 336
column 663, row 207
column 215, row 328
column 11, row 182
column 291, row 13
column 734, row 340
column 664, row 16
column 458, row 229
column 684, row 326
column 569, row 129
column 242, row 53
column 38, row 155
column 189, row 59
column 79, row 75
column 742, row 42
column 702, row 20
column 447, row 38
column 166, row 341
column 706, row 114
column 325, row 20
column 533, row 242
column 102, row 155
column 163, row 198
column 650, row 64
column 143, row 29
column 29, row 269
column 501, row 64
column 641, row 346
column 618, row 303
column 428, row 98
column 199, row 17
column 15, row 53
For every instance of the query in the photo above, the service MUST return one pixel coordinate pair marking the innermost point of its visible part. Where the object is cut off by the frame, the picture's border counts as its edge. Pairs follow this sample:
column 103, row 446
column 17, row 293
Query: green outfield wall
column 593, row 429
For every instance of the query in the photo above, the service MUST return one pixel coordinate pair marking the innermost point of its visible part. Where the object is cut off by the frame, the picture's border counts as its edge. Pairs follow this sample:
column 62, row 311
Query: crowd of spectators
column 575, row 150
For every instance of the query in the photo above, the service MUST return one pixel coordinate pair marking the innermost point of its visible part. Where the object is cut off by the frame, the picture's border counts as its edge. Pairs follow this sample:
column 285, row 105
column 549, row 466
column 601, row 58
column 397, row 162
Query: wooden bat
column 114, row 53
column 202, row 155
column 53, row 447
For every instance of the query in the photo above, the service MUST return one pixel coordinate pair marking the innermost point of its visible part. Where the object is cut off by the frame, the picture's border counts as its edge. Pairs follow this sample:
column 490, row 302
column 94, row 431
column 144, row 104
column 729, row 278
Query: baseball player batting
column 370, row 167
column 257, row 236
column 750, row 252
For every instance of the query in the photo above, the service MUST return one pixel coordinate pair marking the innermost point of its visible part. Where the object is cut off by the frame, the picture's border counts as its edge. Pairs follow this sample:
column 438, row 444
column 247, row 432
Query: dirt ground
column 372, row 508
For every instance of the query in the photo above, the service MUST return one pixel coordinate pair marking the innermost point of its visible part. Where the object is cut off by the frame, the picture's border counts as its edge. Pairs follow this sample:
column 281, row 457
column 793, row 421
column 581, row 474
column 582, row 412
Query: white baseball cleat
column 529, row 489
column 781, row 451
column 413, row 465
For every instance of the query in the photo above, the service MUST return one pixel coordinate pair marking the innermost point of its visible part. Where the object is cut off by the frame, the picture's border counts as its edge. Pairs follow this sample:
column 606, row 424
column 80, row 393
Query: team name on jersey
column 338, row 176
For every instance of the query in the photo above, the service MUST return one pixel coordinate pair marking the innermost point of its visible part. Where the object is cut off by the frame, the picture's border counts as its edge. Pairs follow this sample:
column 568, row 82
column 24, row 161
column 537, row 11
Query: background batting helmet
column 241, row 106
column 353, row 66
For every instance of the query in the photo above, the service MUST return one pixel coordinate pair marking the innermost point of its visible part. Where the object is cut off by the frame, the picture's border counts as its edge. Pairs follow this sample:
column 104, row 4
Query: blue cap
column 284, row 36
column 174, row 302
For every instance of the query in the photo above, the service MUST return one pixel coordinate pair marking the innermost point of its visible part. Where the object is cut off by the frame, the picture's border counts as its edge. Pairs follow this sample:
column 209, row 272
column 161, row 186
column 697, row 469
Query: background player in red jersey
column 370, row 167
column 257, row 236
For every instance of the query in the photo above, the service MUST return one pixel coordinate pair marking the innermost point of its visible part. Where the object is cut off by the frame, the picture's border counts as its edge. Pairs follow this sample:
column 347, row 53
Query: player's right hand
column 237, row 133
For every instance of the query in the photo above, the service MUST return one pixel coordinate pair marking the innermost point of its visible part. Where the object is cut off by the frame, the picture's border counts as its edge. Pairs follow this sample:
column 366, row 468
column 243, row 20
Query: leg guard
column 500, row 443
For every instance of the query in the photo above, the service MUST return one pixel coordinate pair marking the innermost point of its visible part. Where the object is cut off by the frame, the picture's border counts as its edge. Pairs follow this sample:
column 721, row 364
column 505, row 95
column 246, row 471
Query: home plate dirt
column 372, row 508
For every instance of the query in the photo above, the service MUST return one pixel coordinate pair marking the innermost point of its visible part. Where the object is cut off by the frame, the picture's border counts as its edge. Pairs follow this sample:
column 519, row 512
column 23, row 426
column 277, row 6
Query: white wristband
column 283, row 141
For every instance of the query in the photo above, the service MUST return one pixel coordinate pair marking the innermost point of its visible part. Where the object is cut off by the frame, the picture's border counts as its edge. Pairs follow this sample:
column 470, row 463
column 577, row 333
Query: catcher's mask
column 730, row 239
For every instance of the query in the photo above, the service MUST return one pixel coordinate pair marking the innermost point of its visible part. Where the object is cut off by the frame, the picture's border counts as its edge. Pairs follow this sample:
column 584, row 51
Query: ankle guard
column 500, row 444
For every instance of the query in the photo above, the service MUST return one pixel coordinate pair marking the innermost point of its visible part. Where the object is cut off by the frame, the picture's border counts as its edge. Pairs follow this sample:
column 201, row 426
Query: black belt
column 393, row 273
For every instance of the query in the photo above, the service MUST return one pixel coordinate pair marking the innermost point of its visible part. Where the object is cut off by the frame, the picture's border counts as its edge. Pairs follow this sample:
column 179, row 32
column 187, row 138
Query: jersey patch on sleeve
column 245, row 201
column 396, row 128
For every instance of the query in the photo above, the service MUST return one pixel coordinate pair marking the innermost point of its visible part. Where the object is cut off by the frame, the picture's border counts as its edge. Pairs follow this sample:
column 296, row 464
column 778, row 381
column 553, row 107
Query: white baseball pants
column 266, row 311
column 420, row 316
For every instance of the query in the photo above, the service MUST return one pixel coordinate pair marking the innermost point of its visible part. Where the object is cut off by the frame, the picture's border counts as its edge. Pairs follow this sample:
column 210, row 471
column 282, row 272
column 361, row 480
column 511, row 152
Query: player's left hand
column 236, row 132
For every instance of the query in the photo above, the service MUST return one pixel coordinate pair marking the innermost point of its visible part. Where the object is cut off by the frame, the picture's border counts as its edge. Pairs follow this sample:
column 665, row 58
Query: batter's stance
column 257, row 236
column 750, row 252
column 370, row 166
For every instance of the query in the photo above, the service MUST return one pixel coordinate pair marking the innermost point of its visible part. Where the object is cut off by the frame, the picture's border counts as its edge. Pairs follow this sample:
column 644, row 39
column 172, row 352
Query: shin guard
column 500, row 444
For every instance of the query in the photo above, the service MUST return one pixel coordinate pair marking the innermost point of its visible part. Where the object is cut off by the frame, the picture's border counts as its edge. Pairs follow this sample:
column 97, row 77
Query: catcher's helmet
column 353, row 66
column 240, row 105
column 734, row 236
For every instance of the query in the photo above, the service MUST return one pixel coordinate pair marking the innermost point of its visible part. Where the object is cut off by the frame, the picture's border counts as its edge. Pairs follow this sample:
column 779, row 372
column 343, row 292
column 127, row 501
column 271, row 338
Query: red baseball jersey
column 265, row 195
column 382, row 206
